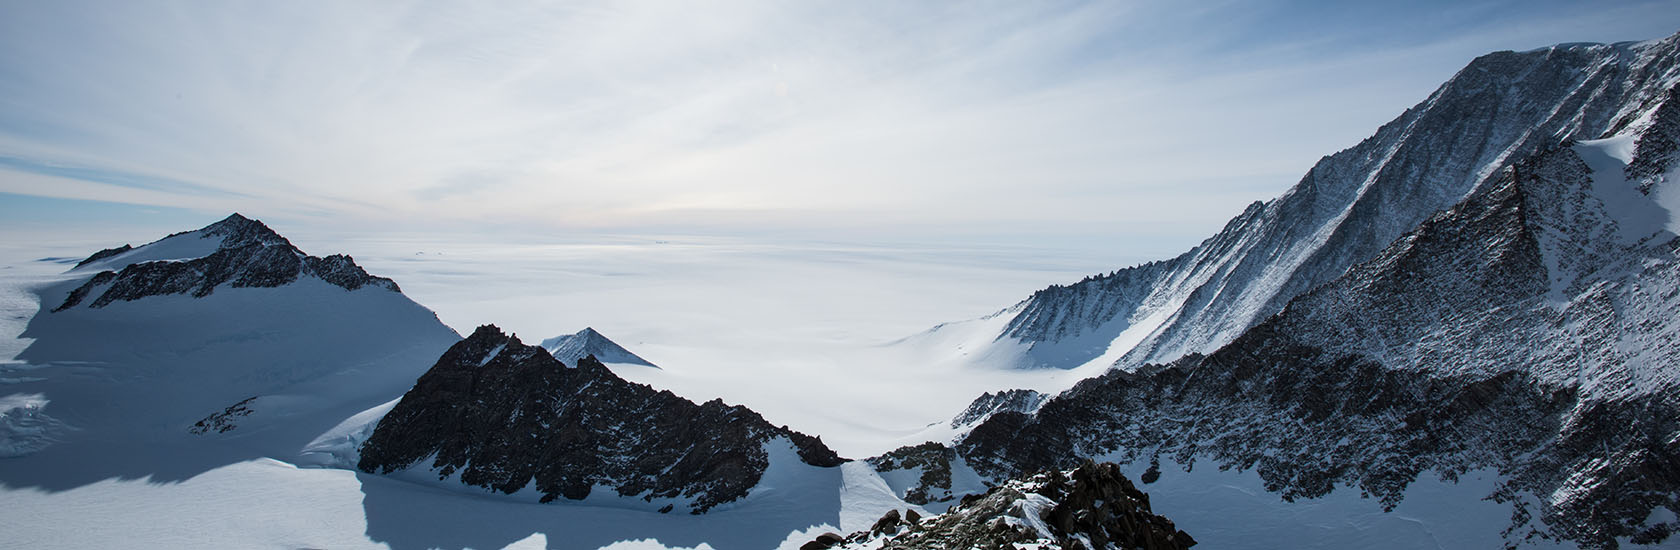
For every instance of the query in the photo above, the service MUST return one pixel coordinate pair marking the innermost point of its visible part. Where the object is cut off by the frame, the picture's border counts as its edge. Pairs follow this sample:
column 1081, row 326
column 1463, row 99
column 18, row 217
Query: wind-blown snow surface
column 118, row 390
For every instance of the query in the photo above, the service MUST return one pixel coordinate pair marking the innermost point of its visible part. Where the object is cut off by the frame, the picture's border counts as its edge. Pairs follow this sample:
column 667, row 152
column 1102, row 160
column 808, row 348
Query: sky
column 1140, row 126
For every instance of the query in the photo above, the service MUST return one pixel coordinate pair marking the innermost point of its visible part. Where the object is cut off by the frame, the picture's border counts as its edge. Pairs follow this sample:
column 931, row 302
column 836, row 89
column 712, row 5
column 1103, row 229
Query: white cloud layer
column 1129, row 119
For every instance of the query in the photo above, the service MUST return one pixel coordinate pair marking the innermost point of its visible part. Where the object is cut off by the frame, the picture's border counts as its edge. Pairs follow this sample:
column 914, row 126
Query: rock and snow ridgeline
column 1503, row 107
column 1090, row 507
column 246, row 254
column 1485, row 285
column 1528, row 330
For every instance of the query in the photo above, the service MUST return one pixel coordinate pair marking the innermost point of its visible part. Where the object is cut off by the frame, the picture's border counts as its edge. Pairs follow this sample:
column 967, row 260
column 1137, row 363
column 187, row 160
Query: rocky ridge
column 1501, row 107
column 1090, row 507
column 932, row 459
column 505, row 416
column 988, row 404
column 248, row 254
column 1523, row 331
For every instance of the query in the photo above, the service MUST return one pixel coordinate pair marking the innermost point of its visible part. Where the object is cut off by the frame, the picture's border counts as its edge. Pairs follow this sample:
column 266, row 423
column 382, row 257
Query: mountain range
column 1525, row 329
column 1478, row 301
column 1501, row 108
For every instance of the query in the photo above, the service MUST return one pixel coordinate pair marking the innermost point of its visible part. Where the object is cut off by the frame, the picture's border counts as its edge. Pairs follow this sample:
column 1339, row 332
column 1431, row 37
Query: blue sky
column 1139, row 125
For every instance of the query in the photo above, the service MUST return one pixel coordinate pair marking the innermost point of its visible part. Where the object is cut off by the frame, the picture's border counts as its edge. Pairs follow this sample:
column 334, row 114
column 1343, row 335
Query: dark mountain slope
column 505, row 415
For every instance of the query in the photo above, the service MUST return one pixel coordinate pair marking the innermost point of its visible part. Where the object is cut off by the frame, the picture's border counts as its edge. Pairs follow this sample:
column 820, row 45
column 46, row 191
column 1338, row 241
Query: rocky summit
column 505, row 416
column 246, row 254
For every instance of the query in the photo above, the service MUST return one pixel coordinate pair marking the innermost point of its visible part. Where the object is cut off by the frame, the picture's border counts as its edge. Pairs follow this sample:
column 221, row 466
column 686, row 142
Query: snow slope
column 1527, row 336
column 1503, row 106
column 1227, row 508
column 120, row 390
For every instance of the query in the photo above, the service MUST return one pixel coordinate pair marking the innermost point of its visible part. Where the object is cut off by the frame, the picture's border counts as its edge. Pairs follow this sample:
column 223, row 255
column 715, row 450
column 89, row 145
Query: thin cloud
column 114, row 177
column 734, row 115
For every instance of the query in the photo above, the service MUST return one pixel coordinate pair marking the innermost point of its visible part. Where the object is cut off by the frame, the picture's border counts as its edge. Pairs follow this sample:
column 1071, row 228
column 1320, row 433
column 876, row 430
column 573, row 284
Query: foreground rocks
column 1091, row 507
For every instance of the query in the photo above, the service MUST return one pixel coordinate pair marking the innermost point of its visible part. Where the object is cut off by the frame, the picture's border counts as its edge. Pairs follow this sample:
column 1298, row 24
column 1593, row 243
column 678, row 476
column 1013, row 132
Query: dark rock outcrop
column 224, row 421
column 505, row 415
column 249, row 255
column 1093, row 504
column 934, row 461
column 1025, row 401
column 823, row 542
column 103, row 254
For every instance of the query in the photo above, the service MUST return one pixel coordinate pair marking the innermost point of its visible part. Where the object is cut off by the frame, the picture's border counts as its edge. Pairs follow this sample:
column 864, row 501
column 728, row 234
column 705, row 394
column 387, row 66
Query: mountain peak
column 1351, row 205
column 237, row 230
column 507, row 416
column 236, row 251
column 571, row 348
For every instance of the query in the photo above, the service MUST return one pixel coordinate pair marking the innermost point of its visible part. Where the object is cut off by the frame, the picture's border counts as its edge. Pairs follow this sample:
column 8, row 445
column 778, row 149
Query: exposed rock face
column 1024, row 401
column 103, row 254
column 1502, row 107
column 1092, row 507
column 569, row 349
column 934, row 462
column 249, row 255
column 1528, row 330
column 504, row 415
column 224, row 421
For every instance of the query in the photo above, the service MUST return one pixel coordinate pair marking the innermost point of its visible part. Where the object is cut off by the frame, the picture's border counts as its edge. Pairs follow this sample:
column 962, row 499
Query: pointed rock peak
column 237, row 251
column 237, row 230
column 487, row 332
column 571, row 348
column 484, row 345
column 983, row 407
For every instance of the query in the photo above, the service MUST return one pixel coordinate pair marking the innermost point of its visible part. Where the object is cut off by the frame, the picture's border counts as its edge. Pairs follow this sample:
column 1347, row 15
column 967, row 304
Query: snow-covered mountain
column 1458, row 333
column 221, row 376
column 1501, row 107
column 246, row 254
column 499, row 414
column 201, row 349
column 1526, row 336
column 570, row 348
